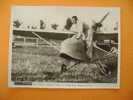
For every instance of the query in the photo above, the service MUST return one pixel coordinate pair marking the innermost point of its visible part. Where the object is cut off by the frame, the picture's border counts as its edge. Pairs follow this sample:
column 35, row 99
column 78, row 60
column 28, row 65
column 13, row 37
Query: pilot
column 77, row 48
column 79, row 28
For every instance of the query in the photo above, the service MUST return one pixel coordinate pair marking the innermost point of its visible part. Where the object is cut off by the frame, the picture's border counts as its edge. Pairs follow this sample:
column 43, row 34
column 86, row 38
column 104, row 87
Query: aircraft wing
column 44, row 34
column 62, row 34
column 106, row 36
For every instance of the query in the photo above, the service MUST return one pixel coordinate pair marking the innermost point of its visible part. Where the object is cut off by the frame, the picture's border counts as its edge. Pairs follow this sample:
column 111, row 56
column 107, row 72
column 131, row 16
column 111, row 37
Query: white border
column 66, row 85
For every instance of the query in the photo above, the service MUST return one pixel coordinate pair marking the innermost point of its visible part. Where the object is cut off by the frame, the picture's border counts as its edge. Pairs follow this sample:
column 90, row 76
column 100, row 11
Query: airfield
column 43, row 64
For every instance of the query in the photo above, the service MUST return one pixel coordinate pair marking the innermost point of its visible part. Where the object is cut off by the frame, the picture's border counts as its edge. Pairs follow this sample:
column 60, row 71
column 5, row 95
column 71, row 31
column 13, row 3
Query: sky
column 30, row 15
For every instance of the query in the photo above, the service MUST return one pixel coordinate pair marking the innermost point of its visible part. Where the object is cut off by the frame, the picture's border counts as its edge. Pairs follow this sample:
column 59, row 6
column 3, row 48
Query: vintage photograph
column 64, row 47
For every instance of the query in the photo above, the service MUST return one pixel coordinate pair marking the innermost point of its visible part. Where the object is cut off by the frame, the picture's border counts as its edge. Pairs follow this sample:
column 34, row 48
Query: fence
column 32, row 41
column 25, row 41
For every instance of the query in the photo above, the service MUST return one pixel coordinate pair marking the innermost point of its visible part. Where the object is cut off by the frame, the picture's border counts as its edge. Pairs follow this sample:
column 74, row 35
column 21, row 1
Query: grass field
column 42, row 64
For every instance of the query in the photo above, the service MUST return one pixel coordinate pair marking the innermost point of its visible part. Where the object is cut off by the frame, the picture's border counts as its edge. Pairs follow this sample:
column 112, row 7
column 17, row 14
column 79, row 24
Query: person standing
column 79, row 47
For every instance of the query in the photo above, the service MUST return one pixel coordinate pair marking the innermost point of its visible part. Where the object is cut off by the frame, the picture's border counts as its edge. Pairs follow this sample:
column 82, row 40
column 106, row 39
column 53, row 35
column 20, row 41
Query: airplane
column 102, row 47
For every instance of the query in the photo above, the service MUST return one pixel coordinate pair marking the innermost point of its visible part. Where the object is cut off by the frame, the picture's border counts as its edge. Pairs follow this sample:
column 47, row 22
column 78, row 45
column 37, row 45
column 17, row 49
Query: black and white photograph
column 64, row 47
